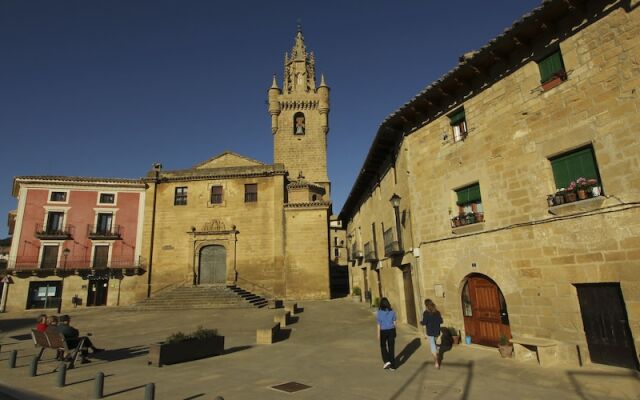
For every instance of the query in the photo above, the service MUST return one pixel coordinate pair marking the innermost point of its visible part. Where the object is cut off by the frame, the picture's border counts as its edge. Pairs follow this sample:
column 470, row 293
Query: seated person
column 41, row 325
column 52, row 326
column 72, row 337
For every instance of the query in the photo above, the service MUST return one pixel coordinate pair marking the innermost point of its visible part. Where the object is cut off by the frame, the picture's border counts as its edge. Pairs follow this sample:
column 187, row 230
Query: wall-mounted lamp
column 445, row 136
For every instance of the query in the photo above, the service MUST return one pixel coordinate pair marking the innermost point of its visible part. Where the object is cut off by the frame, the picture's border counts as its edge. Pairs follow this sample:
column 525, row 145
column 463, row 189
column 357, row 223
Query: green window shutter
column 470, row 194
column 574, row 165
column 550, row 65
column 457, row 118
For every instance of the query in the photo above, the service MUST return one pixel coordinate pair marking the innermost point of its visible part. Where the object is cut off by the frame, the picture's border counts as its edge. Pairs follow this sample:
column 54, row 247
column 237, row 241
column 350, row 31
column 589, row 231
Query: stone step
column 210, row 296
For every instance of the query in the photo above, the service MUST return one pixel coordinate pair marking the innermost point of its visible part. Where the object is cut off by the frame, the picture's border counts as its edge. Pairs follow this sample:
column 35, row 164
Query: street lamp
column 65, row 253
column 395, row 202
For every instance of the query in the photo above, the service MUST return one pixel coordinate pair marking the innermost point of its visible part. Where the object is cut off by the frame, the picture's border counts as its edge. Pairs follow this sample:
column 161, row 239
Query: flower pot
column 456, row 339
column 570, row 197
column 583, row 194
column 596, row 191
column 479, row 217
column 558, row 199
column 505, row 350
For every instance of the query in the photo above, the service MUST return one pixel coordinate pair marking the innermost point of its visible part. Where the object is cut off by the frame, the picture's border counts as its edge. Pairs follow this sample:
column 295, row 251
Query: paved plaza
column 331, row 347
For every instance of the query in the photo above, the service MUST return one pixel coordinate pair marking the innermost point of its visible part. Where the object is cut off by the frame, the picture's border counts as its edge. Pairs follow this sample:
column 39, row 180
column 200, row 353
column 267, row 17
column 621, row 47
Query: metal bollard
column 150, row 391
column 12, row 358
column 33, row 367
column 62, row 374
column 98, row 388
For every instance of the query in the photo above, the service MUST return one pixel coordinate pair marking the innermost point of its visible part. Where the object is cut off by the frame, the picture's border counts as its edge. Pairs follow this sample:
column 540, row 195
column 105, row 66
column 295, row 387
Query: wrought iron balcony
column 392, row 249
column 54, row 233
column 102, row 233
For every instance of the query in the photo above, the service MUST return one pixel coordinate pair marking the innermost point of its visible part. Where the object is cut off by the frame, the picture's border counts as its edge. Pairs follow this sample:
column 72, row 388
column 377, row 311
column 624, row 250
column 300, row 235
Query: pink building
column 74, row 239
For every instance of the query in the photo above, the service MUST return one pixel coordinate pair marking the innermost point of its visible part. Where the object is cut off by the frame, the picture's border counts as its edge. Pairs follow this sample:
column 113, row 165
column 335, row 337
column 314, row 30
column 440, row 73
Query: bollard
column 98, row 389
column 12, row 358
column 150, row 391
column 33, row 367
column 62, row 374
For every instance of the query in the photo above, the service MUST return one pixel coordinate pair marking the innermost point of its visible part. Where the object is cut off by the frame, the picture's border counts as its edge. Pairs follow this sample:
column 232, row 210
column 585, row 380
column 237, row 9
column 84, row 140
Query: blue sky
column 106, row 88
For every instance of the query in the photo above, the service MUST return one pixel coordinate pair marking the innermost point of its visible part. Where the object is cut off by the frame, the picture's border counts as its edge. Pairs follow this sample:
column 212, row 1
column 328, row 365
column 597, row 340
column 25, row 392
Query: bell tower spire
column 299, row 117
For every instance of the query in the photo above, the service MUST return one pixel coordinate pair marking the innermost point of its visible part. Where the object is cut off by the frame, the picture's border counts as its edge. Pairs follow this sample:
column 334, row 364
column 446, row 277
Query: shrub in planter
column 180, row 347
column 455, row 335
column 505, row 347
column 356, row 293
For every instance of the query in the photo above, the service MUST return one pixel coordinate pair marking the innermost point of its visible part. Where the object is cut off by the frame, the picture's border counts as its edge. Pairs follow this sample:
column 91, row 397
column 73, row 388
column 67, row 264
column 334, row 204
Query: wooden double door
column 485, row 311
column 606, row 325
column 213, row 265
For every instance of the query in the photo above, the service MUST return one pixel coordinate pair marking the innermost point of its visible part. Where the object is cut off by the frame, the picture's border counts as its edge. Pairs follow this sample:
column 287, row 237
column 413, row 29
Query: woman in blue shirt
column 432, row 319
column 386, row 318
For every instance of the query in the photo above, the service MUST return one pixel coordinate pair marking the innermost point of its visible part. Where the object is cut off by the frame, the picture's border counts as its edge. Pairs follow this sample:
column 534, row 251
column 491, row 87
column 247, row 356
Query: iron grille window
column 104, row 223
column 251, row 193
column 58, row 196
column 107, row 198
column 180, row 198
column 216, row 195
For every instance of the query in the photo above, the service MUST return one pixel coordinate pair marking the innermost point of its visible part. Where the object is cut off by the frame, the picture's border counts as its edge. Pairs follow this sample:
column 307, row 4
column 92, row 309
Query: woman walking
column 386, row 319
column 432, row 319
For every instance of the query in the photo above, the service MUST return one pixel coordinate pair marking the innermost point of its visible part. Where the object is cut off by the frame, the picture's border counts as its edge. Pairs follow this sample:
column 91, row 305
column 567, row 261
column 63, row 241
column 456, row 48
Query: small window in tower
column 298, row 124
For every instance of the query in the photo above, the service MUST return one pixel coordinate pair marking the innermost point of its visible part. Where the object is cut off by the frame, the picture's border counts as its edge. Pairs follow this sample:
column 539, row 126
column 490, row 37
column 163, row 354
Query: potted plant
column 558, row 197
column 570, row 193
column 504, row 346
column 356, row 294
column 455, row 334
column 180, row 347
column 479, row 216
column 582, row 188
column 471, row 218
column 593, row 188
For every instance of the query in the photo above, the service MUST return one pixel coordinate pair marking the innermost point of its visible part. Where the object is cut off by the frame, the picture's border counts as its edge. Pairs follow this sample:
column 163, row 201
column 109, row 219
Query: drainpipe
column 157, row 167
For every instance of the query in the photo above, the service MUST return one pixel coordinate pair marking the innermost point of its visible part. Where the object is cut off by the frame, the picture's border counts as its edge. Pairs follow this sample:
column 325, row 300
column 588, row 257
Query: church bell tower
column 299, row 118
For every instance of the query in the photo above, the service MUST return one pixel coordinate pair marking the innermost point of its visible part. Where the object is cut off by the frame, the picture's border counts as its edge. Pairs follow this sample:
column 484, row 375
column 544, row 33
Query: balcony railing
column 392, row 249
column 467, row 219
column 30, row 266
column 54, row 233
column 100, row 232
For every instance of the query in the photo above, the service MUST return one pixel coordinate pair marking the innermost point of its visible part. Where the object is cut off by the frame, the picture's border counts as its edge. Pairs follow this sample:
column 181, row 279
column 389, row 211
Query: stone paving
column 332, row 348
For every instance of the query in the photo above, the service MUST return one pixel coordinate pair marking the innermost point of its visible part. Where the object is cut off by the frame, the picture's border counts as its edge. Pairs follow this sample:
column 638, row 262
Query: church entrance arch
column 484, row 310
column 213, row 265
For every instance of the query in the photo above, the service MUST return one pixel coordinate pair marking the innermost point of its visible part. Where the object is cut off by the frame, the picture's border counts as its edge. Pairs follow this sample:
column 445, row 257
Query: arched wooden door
column 213, row 265
column 485, row 311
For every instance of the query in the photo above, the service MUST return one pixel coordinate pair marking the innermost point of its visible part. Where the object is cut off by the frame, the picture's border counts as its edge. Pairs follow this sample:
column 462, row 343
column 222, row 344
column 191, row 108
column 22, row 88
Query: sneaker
column 392, row 368
column 386, row 365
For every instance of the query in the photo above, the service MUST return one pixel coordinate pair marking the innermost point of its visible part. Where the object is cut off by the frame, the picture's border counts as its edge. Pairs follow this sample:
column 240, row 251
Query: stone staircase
column 201, row 297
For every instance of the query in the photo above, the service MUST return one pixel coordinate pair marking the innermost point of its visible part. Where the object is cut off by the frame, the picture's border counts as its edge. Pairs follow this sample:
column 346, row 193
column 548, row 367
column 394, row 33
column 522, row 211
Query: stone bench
column 268, row 335
column 283, row 318
column 545, row 351
column 292, row 308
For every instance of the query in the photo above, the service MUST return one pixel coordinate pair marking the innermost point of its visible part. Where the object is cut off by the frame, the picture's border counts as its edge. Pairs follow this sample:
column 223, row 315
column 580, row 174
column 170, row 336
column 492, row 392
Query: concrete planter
column 172, row 353
column 505, row 350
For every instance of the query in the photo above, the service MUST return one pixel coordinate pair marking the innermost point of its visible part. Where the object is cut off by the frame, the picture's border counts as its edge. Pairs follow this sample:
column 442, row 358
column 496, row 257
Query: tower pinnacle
column 299, row 67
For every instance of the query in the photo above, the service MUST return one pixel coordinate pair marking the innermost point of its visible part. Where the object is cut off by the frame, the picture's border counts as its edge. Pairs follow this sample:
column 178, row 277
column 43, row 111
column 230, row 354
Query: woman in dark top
column 432, row 319
column 386, row 319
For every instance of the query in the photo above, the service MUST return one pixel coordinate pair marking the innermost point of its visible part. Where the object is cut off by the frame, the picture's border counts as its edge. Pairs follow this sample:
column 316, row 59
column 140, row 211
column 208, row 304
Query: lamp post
column 195, row 274
column 395, row 202
column 65, row 253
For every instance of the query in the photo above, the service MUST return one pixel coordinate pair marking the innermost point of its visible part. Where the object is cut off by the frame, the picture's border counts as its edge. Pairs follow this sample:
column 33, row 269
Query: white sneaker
column 386, row 365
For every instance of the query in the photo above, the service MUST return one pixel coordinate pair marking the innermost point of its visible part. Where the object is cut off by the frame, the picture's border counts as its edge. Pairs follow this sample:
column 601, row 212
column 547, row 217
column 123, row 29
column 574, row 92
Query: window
column 104, row 222
column 107, row 198
column 180, row 198
column 43, row 295
column 576, row 176
column 458, row 123
column 298, row 124
column 49, row 257
column 54, row 222
column 469, row 204
column 58, row 196
column 251, row 193
column 216, row 194
column 336, row 252
column 552, row 67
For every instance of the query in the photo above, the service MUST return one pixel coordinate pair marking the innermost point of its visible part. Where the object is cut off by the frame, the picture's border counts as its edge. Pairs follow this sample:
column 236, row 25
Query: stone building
column 76, row 241
column 234, row 220
column 507, row 190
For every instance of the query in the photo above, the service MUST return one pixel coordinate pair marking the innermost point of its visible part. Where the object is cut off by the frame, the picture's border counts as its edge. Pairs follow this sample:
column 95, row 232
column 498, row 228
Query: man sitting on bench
column 72, row 337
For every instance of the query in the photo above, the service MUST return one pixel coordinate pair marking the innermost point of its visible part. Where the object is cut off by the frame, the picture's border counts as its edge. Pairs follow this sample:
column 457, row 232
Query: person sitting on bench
column 72, row 337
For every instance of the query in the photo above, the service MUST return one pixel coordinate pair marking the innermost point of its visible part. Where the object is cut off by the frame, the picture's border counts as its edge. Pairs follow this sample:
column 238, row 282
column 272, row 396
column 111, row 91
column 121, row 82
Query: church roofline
column 227, row 152
column 218, row 173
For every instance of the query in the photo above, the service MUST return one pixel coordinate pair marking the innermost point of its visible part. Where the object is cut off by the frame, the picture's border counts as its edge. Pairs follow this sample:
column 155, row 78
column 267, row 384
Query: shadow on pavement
column 124, row 391
column 7, row 325
column 574, row 378
column 283, row 335
column 195, row 396
column 420, row 372
column 86, row 380
column 408, row 351
column 121, row 354
column 236, row 349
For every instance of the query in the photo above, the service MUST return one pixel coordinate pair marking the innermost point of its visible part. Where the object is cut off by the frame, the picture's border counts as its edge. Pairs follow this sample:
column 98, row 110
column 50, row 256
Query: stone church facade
column 507, row 191
column 234, row 220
